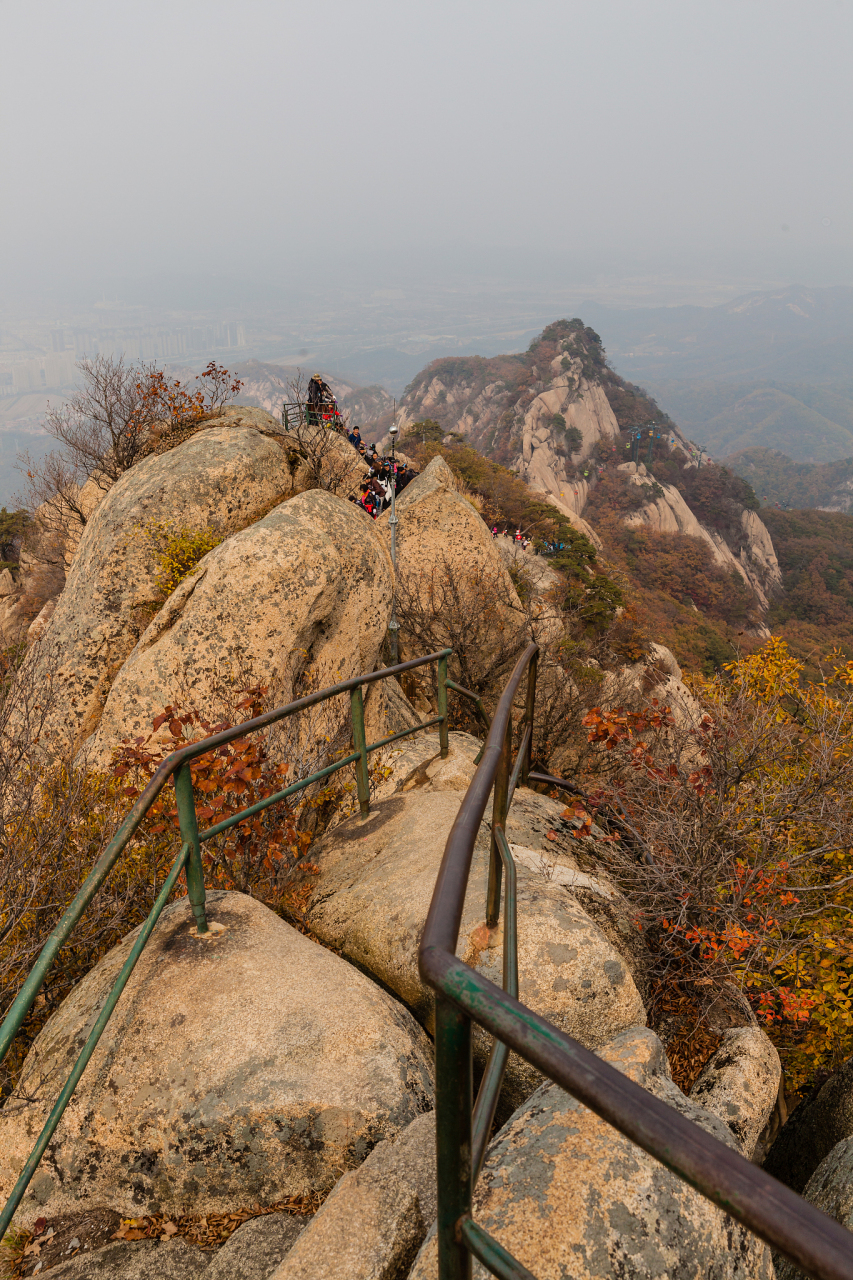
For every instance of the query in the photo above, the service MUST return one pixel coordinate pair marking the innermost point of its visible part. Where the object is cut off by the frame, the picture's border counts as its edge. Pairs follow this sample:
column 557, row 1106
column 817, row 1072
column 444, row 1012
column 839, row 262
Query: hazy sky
column 394, row 141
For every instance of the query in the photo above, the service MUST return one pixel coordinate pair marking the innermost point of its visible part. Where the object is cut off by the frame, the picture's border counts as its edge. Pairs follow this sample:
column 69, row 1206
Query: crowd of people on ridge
column 386, row 476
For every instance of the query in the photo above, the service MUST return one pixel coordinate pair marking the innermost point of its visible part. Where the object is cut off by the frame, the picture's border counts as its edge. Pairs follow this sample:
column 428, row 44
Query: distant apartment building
column 45, row 373
column 56, row 369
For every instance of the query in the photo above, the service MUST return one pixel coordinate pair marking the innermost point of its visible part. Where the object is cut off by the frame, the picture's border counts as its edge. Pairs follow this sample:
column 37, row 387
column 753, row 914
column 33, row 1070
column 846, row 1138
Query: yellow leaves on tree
column 741, row 857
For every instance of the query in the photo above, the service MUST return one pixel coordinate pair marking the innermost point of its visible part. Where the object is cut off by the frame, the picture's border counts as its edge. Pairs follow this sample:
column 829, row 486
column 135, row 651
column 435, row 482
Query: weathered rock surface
column 569, row 1197
column 740, row 1084
column 237, row 1069
column 308, row 586
column 439, row 535
column 252, row 1253
column 830, row 1188
column 812, row 1130
column 656, row 675
column 136, row 1260
column 222, row 479
column 375, row 1220
column 569, row 971
column 257, row 1247
column 755, row 560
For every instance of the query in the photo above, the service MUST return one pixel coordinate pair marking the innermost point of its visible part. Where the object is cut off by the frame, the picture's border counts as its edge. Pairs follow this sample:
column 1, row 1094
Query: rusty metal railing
column 177, row 766
column 814, row 1242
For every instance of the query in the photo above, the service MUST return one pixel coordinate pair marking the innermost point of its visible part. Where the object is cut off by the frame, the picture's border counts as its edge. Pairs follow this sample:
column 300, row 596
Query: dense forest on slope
column 815, row 551
column 778, row 480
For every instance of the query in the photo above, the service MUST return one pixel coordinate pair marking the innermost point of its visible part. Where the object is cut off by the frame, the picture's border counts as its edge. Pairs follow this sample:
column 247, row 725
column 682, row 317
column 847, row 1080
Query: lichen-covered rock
column 221, row 479
column 572, row 1199
column 308, row 586
column 568, row 970
column 237, row 1069
column 740, row 1084
column 830, row 1189
column 136, row 1260
column 375, row 1220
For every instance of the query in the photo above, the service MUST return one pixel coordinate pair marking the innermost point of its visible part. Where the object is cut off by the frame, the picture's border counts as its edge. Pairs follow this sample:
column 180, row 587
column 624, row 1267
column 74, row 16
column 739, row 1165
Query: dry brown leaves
column 677, row 1017
column 212, row 1230
column 34, row 1253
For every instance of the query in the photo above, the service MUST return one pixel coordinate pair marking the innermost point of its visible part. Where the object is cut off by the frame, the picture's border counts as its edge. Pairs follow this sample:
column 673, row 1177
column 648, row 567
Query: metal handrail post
column 529, row 710
column 359, row 742
column 188, row 822
column 443, row 739
column 454, row 1096
column 499, row 809
column 393, row 625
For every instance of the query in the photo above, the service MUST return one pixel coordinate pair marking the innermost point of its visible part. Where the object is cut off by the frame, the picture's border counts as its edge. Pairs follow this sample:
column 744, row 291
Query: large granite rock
column 222, row 479
column 308, row 586
column 568, row 969
column 238, row 1068
column 572, row 1199
column 375, row 1220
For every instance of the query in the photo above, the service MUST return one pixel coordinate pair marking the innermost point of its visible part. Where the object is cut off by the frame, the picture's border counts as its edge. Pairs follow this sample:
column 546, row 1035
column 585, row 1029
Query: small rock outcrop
column 238, row 1068
column 375, row 1220
column 440, row 534
column 740, row 1084
column 309, row 584
column 567, row 1195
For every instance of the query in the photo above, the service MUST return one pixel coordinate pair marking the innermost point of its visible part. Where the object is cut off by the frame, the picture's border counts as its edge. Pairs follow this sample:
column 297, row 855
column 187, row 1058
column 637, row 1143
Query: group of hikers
column 386, row 477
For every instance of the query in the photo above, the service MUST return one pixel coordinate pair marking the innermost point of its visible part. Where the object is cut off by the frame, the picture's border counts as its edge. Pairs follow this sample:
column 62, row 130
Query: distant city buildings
column 55, row 369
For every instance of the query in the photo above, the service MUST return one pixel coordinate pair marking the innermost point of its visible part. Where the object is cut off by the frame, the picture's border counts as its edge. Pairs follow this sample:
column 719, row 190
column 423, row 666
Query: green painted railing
column 177, row 765
column 814, row 1242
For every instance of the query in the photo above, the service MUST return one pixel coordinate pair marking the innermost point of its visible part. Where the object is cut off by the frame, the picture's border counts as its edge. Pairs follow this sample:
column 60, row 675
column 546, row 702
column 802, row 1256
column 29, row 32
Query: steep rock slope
column 559, row 417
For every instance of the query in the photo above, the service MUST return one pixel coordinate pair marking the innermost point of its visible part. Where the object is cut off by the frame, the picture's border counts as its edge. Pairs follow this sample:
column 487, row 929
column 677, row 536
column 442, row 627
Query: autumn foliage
column 736, row 845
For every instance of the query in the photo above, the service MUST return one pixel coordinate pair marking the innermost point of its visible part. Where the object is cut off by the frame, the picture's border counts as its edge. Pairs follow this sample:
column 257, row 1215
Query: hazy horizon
column 666, row 152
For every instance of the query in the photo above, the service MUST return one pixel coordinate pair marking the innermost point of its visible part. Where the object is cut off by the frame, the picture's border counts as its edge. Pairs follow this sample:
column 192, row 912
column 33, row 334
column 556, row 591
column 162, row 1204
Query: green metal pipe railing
column 816, row 1243
column 177, row 765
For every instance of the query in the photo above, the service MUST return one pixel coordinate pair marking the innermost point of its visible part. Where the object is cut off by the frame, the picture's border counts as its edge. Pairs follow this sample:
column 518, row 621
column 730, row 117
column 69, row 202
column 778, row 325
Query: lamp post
column 393, row 625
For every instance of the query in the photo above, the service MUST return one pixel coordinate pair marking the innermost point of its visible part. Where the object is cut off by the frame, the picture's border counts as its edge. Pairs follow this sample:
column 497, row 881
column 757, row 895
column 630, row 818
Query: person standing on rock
column 355, row 437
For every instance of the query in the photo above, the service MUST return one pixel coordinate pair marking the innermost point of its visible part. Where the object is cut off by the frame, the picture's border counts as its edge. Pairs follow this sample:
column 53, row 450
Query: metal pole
column 189, row 834
column 454, row 1096
column 393, row 625
column 443, row 739
column 359, row 741
column 499, row 808
column 529, row 710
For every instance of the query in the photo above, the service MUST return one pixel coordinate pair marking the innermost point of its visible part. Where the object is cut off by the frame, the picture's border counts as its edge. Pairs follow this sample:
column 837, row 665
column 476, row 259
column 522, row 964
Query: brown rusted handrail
column 814, row 1242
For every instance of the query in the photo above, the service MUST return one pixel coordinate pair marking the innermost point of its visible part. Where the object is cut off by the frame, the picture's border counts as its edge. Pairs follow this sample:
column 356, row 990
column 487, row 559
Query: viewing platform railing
column 177, row 766
column 816, row 1243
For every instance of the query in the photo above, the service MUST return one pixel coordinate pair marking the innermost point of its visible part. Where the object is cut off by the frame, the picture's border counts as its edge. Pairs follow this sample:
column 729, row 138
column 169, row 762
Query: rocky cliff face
column 558, row 417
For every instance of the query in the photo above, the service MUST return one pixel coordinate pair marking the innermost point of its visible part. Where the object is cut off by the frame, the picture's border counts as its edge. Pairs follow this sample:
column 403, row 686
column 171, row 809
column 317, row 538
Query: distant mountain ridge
column 770, row 369
column 572, row 429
